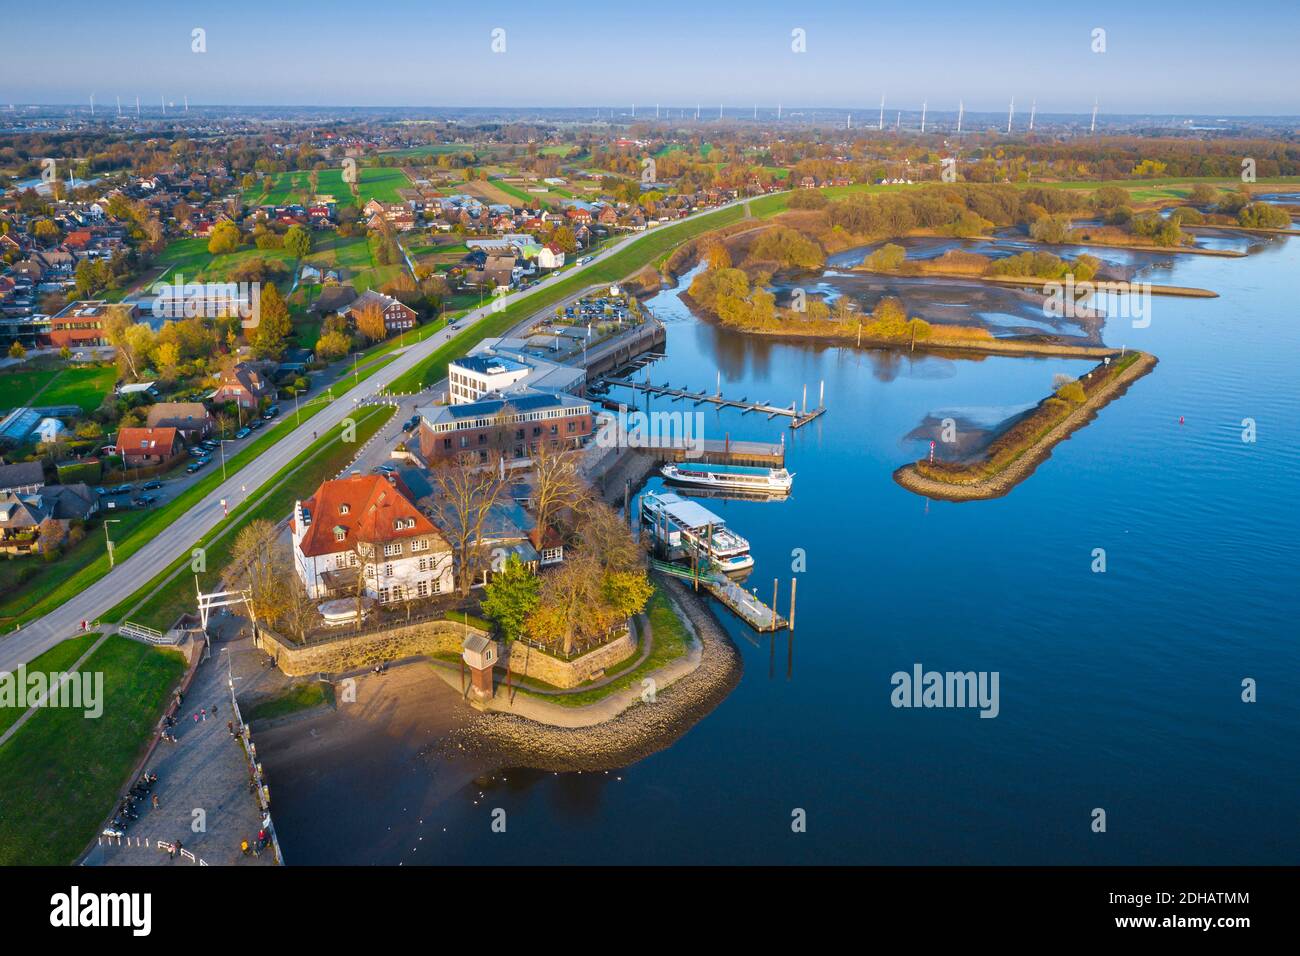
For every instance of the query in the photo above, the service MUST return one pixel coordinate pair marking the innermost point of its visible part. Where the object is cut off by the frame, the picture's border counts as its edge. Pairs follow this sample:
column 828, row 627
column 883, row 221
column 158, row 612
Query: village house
column 83, row 324
column 398, row 317
column 22, row 513
column 244, row 386
column 367, row 525
column 191, row 419
column 146, row 447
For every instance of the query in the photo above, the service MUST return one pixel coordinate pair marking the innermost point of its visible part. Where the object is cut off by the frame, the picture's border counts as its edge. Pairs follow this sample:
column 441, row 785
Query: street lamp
column 108, row 544
column 222, row 443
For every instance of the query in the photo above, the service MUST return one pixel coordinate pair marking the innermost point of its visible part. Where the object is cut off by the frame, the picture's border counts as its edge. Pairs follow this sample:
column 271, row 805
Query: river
column 1119, row 690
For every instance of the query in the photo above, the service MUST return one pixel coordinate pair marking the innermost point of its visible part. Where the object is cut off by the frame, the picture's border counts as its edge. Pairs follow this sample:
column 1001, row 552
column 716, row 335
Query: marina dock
column 744, row 604
column 797, row 418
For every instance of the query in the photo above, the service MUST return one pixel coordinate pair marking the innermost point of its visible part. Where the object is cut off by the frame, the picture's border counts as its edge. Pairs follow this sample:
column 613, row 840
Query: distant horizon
column 108, row 109
column 406, row 54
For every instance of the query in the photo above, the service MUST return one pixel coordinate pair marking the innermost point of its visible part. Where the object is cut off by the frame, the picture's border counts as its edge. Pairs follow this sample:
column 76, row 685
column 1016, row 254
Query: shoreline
column 1101, row 285
column 1000, row 484
column 640, row 730
column 836, row 335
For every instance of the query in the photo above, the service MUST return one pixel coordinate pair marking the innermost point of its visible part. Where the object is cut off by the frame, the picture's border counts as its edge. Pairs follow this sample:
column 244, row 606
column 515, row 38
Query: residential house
column 191, row 419
column 22, row 478
column 367, row 525
column 146, row 447
column 244, row 386
column 398, row 317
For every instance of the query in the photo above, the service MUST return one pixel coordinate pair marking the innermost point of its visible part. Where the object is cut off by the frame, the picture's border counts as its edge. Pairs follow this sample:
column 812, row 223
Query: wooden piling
column 793, row 582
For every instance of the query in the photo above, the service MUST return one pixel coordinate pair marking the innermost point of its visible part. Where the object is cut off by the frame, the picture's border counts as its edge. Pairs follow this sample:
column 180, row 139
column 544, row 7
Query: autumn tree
column 511, row 596
column 262, row 568
column 297, row 242
column 273, row 325
column 224, row 238
column 370, row 321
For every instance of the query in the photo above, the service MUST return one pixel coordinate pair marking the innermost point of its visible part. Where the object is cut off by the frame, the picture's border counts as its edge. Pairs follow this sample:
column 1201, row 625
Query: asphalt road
column 18, row 647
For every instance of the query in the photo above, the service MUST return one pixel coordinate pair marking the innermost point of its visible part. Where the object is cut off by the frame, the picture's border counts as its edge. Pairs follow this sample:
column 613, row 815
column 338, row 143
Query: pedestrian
column 155, row 801
column 204, row 712
column 243, row 847
column 230, row 727
column 171, row 851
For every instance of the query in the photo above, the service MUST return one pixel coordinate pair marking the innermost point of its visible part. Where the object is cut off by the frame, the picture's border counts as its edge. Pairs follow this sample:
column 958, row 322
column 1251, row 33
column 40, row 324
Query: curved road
column 18, row 647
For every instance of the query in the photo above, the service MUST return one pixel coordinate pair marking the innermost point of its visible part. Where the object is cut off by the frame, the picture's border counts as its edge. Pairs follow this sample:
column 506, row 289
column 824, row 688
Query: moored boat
column 774, row 481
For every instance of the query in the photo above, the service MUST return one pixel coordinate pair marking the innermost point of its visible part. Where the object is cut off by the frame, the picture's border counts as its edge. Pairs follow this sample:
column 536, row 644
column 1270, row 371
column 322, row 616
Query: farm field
column 353, row 254
column 493, row 191
column 380, row 182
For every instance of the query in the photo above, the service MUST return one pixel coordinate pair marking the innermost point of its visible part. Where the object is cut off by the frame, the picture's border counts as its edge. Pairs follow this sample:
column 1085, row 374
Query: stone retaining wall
column 352, row 651
column 530, row 662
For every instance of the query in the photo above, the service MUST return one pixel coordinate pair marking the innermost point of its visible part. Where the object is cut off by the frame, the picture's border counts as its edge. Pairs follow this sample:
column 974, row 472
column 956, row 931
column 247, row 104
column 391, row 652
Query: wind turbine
column 961, row 108
column 92, row 104
column 848, row 121
column 187, row 102
column 923, row 106
column 119, row 106
column 882, row 112
column 1011, row 111
column 1092, row 129
column 719, row 111
column 778, row 111
column 163, row 99
column 137, row 107
column 1033, row 108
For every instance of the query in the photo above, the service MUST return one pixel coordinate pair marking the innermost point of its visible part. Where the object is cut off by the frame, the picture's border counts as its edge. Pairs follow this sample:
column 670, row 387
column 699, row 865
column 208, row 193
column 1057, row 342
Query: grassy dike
column 617, row 267
column 158, row 606
column 1013, row 455
column 61, row 772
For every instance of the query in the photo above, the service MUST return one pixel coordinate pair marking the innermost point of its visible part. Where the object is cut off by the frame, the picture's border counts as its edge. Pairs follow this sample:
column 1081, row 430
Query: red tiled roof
column 373, row 507
column 147, row 441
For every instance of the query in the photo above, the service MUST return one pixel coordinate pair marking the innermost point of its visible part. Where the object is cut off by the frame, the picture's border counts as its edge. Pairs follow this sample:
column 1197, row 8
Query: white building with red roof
column 366, row 524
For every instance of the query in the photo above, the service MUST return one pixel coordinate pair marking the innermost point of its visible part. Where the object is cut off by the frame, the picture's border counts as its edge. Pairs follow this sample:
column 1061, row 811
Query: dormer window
column 340, row 533
column 344, row 509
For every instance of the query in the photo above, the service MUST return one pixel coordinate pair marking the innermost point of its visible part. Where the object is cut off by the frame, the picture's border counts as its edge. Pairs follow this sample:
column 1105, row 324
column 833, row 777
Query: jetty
column 744, row 604
column 798, row 418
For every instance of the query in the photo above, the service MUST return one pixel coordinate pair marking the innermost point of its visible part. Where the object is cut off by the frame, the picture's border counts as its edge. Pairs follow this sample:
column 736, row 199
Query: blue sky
column 1181, row 58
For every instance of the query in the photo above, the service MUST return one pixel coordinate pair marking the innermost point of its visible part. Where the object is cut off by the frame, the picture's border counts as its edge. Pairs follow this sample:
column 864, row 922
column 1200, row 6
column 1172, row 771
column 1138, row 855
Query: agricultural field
column 494, row 191
column 380, row 182
column 353, row 254
column 424, row 152
column 295, row 187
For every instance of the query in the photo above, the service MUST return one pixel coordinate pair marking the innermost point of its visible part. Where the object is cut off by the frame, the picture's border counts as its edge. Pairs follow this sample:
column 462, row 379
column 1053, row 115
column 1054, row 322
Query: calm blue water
column 1118, row 690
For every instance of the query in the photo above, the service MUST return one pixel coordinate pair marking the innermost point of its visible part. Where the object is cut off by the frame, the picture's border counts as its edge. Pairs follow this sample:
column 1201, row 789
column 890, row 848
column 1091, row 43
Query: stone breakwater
column 643, row 729
column 995, row 486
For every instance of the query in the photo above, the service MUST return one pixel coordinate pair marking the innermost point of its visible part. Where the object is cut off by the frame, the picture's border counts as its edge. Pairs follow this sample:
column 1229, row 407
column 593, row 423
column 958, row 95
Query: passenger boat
column 683, row 529
column 774, row 481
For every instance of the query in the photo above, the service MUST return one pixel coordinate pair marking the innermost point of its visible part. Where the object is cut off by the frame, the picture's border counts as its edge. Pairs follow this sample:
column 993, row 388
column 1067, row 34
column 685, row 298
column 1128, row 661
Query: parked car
column 209, row 443
column 198, row 451
column 271, row 412
column 194, row 466
column 256, row 423
column 101, row 491
column 411, row 423
column 151, row 485
column 144, row 501
column 243, row 433
column 120, row 490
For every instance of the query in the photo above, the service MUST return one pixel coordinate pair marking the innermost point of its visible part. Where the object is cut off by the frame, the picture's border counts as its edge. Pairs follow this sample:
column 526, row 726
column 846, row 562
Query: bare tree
column 300, row 612
column 557, row 483
column 363, row 559
column 465, row 489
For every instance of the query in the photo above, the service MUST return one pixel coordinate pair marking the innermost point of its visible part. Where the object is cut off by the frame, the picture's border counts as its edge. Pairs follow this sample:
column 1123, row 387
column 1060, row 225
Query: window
column 436, row 585
column 344, row 509
column 419, row 544
column 340, row 534
column 388, row 570
column 393, row 549
column 422, row 588
column 383, row 595
column 552, row 555
column 424, row 564
column 446, row 443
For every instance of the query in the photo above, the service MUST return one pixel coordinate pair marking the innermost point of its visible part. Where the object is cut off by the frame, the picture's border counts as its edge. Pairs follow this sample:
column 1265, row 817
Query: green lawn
column 289, row 701
column 81, row 385
column 60, row 657
column 60, row 774
column 18, row 388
